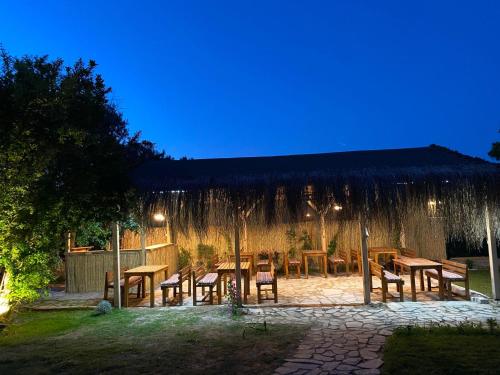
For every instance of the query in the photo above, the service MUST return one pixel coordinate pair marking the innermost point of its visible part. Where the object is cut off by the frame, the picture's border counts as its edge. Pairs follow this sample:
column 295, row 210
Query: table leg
column 125, row 290
column 219, row 289
column 413, row 287
column 325, row 266
column 440, row 281
column 245, row 291
column 422, row 280
column 143, row 291
column 152, row 290
column 286, row 268
column 306, row 266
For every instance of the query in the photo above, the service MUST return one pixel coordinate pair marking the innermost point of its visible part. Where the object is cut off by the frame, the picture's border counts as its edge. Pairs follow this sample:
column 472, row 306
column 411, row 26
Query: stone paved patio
column 314, row 291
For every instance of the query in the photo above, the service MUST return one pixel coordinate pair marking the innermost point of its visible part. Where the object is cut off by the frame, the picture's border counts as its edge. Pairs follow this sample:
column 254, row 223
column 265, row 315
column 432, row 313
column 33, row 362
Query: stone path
column 349, row 340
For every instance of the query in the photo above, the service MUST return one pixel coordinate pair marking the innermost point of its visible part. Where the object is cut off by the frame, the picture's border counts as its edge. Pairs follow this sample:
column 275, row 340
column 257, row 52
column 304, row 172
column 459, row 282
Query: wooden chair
column 267, row 278
column 385, row 277
column 409, row 253
column 244, row 258
column 175, row 282
column 452, row 272
column 290, row 263
column 355, row 260
column 335, row 261
column 203, row 280
column 265, row 262
column 132, row 282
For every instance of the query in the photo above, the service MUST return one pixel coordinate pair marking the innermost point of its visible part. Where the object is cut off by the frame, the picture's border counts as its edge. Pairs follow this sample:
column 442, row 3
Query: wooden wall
column 85, row 272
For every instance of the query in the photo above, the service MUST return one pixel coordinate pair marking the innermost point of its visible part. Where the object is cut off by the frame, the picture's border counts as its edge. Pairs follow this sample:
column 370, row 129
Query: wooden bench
column 175, row 282
column 335, row 261
column 132, row 282
column 265, row 261
column 452, row 272
column 385, row 277
column 203, row 280
column 267, row 278
column 291, row 262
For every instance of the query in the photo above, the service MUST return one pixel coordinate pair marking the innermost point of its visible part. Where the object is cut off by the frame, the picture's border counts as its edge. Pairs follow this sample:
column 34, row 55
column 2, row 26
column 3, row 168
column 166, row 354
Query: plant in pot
column 306, row 241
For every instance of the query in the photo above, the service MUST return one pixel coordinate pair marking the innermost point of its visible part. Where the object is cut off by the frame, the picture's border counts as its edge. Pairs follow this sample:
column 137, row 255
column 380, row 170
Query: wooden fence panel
column 85, row 272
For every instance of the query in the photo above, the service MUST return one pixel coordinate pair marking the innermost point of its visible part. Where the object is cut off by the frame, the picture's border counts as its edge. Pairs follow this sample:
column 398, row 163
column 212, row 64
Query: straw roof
column 388, row 182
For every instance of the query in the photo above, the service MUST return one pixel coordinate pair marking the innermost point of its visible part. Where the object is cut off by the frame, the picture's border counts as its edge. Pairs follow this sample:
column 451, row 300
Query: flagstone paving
column 314, row 291
column 350, row 339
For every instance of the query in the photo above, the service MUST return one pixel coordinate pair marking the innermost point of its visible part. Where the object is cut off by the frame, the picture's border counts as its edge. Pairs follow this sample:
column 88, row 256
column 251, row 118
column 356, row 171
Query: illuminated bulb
column 308, row 215
column 159, row 217
column 337, row 207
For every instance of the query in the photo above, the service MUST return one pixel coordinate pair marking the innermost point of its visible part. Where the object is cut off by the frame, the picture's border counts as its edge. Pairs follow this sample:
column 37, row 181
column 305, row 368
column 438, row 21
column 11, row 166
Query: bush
column 103, row 307
column 306, row 241
column 185, row 258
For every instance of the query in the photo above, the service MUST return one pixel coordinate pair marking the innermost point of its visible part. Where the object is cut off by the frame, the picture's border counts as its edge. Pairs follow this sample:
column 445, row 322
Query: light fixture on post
column 337, row 207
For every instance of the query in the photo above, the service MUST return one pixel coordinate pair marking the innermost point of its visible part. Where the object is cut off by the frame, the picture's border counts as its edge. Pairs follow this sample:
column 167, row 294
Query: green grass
column 442, row 350
column 187, row 341
column 480, row 281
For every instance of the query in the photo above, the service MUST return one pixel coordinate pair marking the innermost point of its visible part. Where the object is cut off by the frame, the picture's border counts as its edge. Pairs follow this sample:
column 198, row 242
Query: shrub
column 291, row 239
column 306, row 241
column 103, row 307
column 184, row 257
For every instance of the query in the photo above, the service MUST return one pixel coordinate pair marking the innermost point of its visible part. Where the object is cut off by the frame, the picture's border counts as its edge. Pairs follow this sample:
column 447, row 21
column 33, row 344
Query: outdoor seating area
column 317, row 288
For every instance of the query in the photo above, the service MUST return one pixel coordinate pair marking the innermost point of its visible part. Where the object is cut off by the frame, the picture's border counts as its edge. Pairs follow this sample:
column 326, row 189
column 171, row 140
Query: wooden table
column 144, row 271
column 421, row 264
column 230, row 267
column 245, row 257
column 375, row 252
column 314, row 253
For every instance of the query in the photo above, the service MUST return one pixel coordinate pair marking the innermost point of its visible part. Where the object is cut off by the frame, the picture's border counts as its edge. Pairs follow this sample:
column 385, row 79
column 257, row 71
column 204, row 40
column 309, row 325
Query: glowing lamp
column 159, row 217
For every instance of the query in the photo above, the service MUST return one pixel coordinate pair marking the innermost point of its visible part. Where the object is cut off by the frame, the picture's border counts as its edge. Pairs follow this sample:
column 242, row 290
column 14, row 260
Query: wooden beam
column 115, row 243
column 493, row 256
column 364, row 259
column 237, row 260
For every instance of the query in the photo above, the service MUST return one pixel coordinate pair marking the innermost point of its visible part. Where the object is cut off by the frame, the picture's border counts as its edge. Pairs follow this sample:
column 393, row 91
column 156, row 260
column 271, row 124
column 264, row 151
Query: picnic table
column 421, row 264
column 387, row 252
column 230, row 267
column 314, row 253
column 145, row 271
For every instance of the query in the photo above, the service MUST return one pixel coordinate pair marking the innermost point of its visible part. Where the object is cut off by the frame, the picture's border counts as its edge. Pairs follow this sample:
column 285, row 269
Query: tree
column 495, row 150
column 65, row 154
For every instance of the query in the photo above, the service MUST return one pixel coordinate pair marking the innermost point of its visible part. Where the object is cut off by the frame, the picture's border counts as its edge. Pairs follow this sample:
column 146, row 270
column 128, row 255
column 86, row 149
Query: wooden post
column 364, row 259
column 143, row 245
column 237, row 259
column 115, row 243
column 323, row 231
column 493, row 256
column 245, row 232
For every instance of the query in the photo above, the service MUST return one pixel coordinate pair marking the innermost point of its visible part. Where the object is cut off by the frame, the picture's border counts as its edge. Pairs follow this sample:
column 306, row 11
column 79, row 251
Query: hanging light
column 159, row 217
column 337, row 207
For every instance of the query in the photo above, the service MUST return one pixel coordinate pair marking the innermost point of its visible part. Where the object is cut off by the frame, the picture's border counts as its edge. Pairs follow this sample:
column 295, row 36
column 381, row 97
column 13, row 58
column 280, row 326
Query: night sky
column 245, row 78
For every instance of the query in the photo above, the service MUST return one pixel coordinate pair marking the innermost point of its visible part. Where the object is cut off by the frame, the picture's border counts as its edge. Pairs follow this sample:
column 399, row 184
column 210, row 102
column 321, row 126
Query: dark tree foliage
column 65, row 156
column 495, row 150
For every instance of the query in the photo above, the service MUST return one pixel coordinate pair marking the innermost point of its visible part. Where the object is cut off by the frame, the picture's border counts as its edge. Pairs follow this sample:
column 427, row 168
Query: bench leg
column 401, row 297
column 384, row 291
column 189, row 287
column 106, row 292
column 139, row 290
column 448, row 286
column 275, row 291
column 144, row 287
column 194, row 294
column 467, row 291
column 164, row 296
column 211, row 291
column 180, row 292
column 258, row 294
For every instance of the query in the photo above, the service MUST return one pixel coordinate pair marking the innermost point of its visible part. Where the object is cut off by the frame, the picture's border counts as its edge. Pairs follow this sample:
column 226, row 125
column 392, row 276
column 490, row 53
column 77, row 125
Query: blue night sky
column 244, row 78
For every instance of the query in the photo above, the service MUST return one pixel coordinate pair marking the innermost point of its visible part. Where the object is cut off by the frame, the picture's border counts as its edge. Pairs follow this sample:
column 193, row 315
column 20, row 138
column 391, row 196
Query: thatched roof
column 398, row 165
column 388, row 182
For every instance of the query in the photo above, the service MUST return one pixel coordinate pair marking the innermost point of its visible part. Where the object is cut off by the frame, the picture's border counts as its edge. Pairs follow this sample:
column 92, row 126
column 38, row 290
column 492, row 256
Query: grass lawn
column 479, row 281
column 188, row 341
column 442, row 350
